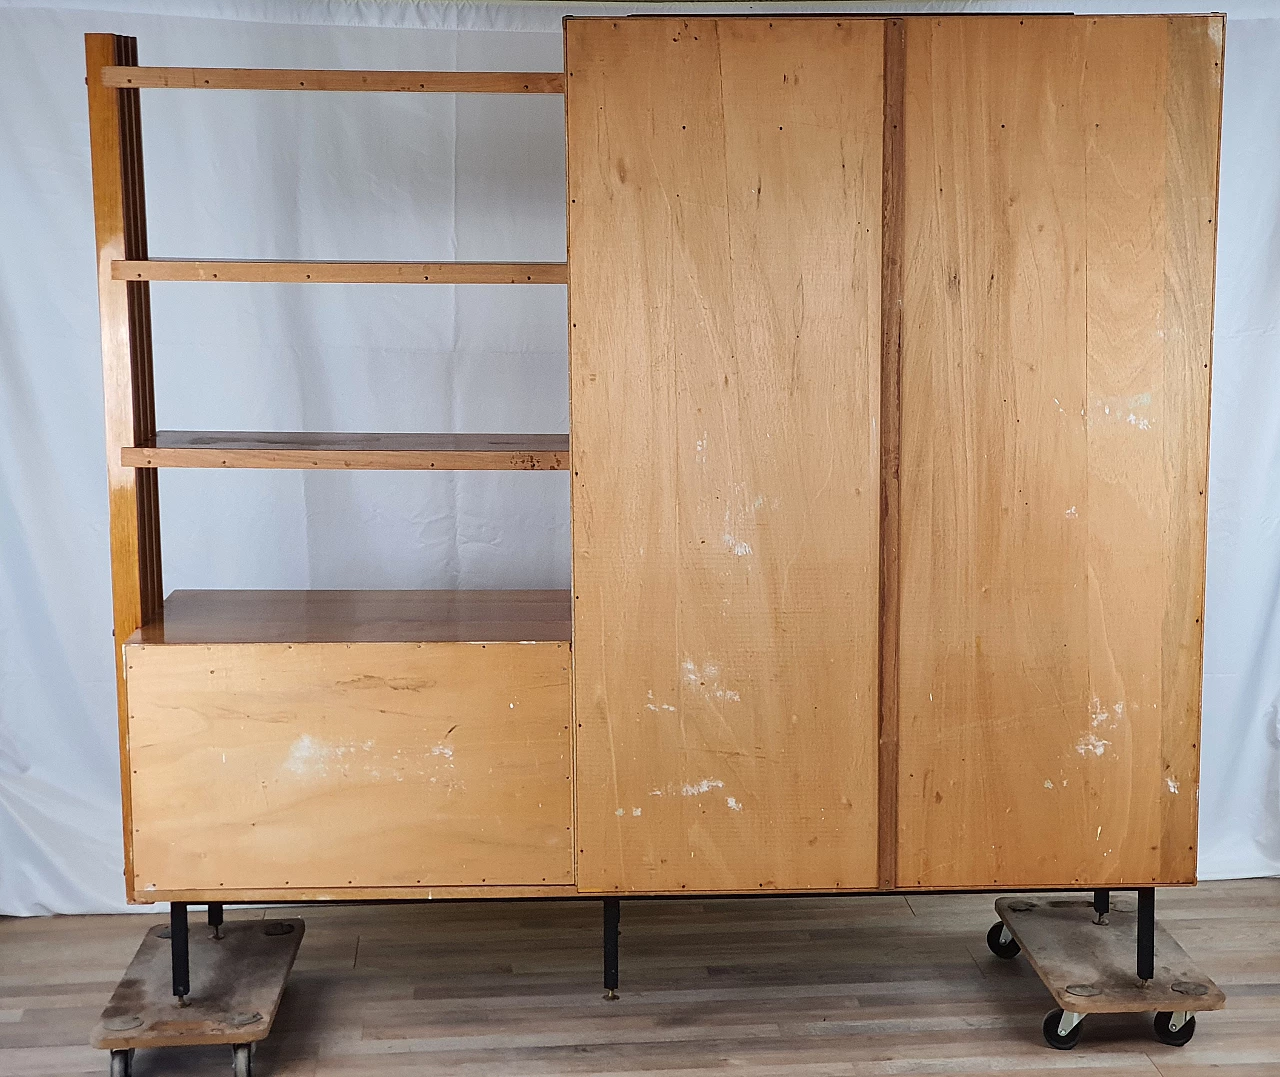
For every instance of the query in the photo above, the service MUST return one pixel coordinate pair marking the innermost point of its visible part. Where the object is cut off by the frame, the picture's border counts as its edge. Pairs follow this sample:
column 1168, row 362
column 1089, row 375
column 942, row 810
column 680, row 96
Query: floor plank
column 821, row 987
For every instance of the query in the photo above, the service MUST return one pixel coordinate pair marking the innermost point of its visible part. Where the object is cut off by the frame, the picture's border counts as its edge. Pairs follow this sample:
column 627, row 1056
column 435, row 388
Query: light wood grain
column 240, row 78
column 322, row 616
column 326, row 765
column 265, row 272
column 1047, row 536
column 124, row 309
column 724, row 367
column 355, row 452
column 772, row 987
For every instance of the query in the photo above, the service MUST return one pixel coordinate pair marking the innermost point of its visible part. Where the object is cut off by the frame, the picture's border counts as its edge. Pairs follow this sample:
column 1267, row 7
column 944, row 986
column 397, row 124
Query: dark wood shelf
column 343, row 452
column 213, row 617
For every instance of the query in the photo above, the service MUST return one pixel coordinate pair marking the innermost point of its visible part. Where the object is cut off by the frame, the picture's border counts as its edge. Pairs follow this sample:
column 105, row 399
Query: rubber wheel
column 1054, row 1038
column 1005, row 950
column 1174, row 1039
column 122, row 1063
column 242, row 1060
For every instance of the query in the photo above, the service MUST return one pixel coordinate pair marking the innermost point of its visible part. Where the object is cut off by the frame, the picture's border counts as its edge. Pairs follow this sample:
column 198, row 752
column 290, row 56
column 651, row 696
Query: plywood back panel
column 1060, row 183
column 725, row 221
column 320, row 766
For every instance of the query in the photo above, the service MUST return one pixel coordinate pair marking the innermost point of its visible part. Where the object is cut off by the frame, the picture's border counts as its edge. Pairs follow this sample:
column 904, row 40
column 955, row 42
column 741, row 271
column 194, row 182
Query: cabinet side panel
column 328, row 765
column 1193, row 121
column 1055, row 439
column 725, row 219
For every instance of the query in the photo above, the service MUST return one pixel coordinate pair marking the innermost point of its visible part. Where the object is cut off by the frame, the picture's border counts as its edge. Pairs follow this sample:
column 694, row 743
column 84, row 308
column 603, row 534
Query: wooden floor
column 876, row 985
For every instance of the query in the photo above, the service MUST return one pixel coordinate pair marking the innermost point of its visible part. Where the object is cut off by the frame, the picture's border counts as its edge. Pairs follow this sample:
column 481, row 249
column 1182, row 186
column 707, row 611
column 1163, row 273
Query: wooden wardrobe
column 889, row 370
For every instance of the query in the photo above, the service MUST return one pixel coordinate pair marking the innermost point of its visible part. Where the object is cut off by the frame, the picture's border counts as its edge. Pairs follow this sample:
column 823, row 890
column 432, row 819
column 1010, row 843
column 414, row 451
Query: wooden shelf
column 232, row 271
column 271, row 78
column 213, row 617
column 351, row 452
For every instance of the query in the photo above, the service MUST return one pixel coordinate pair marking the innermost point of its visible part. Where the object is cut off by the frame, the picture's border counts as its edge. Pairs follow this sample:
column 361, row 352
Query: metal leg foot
column 612, row 914
column 215, row 920
column 1146, row 933
column 1101, row 905
column 179, row 951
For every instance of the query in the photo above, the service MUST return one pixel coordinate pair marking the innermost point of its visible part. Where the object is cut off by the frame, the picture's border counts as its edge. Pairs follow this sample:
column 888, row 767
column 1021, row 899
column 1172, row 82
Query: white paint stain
column 635, row 811
column 659, row 707
column 310, row 757
column 707, row 681
column 1127, row 409
column 1099, row 837
column 1071, row 513
column 1048, row 784
column 1102, row 714
column 620, row 811
column 1092, row 743
column 733, row 804
column 444, row 750
column 739, row 548
column 1172, row 784
column 698, row 788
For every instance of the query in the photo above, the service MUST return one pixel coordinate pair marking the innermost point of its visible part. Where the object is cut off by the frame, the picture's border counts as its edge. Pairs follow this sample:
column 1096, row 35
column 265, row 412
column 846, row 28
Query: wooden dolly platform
column 1084, row 952
column 238, row 973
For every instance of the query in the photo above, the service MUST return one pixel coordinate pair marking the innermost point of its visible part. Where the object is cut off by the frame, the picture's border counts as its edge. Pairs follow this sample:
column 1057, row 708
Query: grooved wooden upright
column 119, row 207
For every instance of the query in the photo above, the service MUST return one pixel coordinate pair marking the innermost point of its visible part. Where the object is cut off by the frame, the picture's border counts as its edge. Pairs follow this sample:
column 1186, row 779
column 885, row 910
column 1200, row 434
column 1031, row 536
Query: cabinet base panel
column 338, row 894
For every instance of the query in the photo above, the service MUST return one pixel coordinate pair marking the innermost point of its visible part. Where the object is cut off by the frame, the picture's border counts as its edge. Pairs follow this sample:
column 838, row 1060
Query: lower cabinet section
column 316, row 766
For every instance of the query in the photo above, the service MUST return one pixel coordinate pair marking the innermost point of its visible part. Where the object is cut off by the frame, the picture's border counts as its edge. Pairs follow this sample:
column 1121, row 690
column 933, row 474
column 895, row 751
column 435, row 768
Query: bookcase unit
column 889, row 371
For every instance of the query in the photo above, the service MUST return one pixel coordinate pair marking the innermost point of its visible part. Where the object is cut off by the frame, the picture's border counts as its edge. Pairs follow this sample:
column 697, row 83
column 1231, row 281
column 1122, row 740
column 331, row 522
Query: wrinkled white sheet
column 426, row 177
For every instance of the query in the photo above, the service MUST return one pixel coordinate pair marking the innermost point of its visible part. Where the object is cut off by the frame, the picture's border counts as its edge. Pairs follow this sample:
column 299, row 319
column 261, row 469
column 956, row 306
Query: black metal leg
column 1101, row 905
column 215, row 919
column 612, row 914
column 1146, row 933
column 179, row 951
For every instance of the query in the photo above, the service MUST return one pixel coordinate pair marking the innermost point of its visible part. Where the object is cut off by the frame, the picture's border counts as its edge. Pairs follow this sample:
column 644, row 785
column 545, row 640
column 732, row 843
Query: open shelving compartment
column 312, row 744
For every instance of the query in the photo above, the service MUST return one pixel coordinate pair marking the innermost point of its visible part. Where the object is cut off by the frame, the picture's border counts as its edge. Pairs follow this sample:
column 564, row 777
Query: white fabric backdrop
column 425, row 177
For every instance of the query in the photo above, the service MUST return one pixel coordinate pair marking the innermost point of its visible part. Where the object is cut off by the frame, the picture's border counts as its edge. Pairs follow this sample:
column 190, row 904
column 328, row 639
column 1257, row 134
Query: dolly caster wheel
column 1001, row 943
column 242, row 1060
column 1175, row 1029
column 1062, row 1030
column 122, row 1063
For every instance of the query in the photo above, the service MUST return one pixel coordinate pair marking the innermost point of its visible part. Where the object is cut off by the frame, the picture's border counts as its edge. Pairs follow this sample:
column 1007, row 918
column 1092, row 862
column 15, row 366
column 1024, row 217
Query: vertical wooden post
column 891, row 244
column 124, row 307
